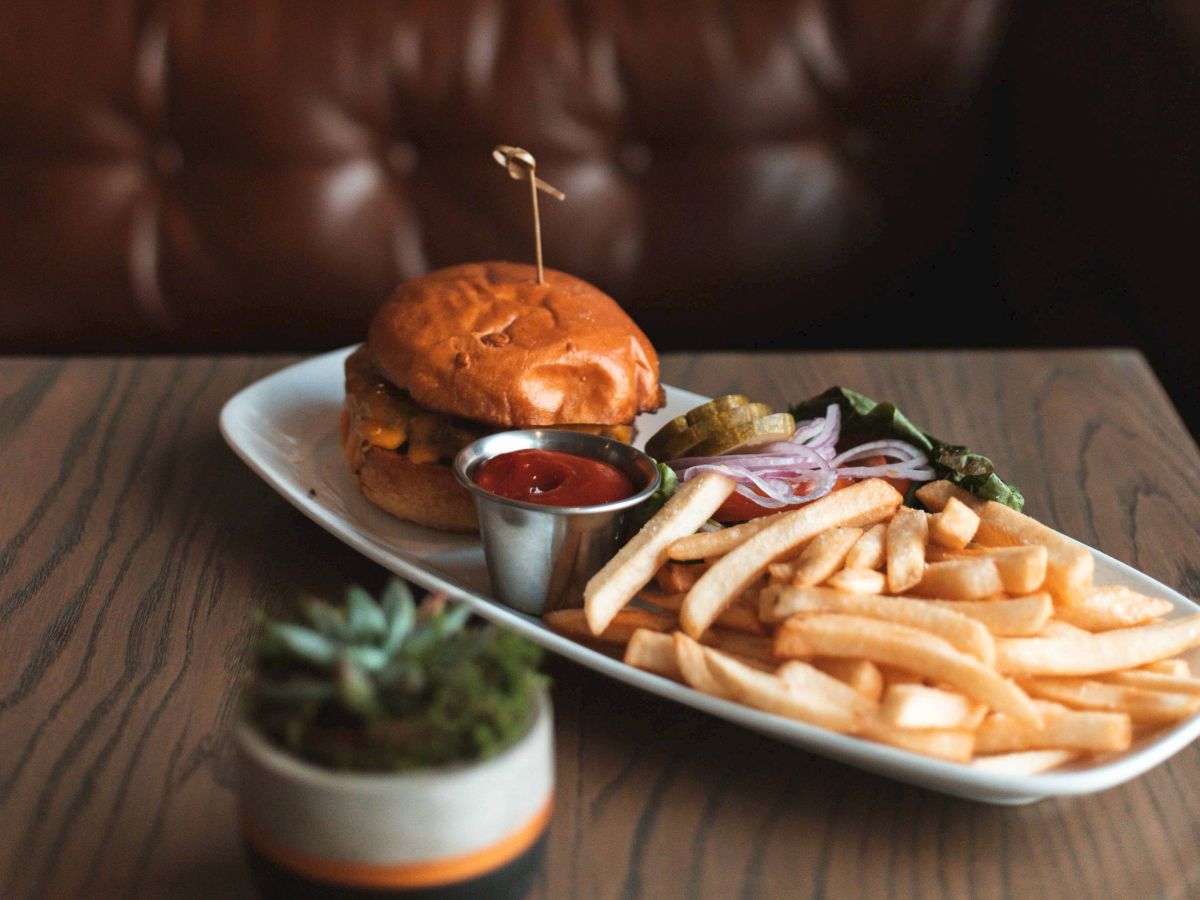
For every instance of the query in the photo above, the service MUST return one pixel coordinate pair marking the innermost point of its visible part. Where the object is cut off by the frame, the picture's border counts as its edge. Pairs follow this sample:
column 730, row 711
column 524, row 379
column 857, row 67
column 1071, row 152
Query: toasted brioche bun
column 425, row 493
column 486, row 342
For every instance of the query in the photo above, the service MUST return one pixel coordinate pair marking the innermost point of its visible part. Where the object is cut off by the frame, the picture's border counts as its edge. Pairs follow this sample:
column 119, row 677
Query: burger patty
column 379, row 414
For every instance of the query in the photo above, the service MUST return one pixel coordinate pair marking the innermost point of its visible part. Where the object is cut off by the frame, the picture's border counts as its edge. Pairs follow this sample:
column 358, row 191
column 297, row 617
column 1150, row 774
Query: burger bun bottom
column 425, row 493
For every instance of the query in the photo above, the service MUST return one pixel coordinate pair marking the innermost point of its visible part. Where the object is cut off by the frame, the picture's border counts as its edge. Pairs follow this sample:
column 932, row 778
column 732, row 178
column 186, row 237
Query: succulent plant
column 390, row 685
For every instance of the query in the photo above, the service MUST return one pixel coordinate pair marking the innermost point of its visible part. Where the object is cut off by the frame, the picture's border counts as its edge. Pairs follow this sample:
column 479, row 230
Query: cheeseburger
column 472, row 349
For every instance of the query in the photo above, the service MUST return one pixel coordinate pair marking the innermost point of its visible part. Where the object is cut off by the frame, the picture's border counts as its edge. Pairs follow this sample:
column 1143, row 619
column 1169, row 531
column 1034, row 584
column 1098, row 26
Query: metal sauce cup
column 540, row 557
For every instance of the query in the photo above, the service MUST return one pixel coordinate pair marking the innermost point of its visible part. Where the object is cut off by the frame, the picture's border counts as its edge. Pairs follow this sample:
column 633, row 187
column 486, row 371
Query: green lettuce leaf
column 645, row 511
column 868, row 420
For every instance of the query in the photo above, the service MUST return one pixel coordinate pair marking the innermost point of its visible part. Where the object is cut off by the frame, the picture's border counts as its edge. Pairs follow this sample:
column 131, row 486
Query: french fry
column 861, row 674
column 1089, row 654
column 677, row 577
column 693, row 663
column 1003, row 655
column 636, row 563
column 1177, row 667
column 955, row 745
column 806, row 694
column 1140, row 704
column 709, row 545
column 572, row 623
column 858, row 581
column 803, row 676
column 1153, row 681
column 1091, row 732
column 954, row 526
column 936, row 494
column 1113, row 606
column 1069, row 565
column 869, row 551
column 1022, row 762
column 780, row 602
column 907, row 534
column 1015, row 617
column 1057, row 628
column 907, row 647
column 860, row 503
column 1022, row 569
column 736, row 616
column 959, row 579
column 919, row 706
column 896, row 675
column 742, row 645
column 653, row 651
column 824, row 555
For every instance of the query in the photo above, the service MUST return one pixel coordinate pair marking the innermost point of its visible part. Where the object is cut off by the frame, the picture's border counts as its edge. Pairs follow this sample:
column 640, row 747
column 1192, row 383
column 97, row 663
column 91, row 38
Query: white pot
column 465, row 827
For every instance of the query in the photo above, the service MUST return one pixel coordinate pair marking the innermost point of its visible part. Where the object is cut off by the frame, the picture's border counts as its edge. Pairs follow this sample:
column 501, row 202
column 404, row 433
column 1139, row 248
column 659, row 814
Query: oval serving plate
column 285, row 428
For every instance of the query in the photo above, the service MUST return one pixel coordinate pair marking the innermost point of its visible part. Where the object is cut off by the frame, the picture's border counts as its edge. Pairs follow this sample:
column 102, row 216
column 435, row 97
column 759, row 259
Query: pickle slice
column 735, row 436
column 712, row 430
column 715, row 409
column 674, row 428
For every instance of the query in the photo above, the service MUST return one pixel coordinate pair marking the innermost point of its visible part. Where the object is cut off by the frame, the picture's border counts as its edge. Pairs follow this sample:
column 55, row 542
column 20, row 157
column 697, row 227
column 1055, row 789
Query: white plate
column 285, row 427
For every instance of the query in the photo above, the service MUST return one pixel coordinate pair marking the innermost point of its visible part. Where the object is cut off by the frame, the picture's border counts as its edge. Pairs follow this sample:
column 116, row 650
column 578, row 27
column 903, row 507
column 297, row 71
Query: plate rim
column 933, row 774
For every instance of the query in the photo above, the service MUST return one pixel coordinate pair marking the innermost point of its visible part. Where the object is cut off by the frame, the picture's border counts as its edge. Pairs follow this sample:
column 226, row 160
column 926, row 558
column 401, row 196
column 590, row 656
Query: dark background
column 219, row 175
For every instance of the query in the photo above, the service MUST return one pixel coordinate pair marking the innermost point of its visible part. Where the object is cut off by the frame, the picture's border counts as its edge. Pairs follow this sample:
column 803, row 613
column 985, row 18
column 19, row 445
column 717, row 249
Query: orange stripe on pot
column 426, row 873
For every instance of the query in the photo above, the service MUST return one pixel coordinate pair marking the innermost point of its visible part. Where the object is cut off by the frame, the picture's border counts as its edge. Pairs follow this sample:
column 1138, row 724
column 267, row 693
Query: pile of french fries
column 965, row 631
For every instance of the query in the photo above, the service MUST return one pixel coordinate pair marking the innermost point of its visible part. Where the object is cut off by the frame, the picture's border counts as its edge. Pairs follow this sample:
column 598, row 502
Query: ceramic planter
column 463, row 830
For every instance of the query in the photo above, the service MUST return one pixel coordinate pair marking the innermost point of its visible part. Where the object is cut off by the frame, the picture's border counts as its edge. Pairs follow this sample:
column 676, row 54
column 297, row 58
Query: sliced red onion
column 911, row 470
column 772, row 492
column 890, row 447
column 771, row 474
column 796, row 456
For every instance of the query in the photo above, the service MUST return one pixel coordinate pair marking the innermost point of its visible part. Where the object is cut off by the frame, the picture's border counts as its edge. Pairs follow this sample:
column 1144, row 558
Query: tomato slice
column 739, row 508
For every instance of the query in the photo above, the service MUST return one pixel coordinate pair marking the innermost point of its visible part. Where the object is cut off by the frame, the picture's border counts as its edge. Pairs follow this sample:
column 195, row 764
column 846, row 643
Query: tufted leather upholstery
column 225, row 174
column 217, row 174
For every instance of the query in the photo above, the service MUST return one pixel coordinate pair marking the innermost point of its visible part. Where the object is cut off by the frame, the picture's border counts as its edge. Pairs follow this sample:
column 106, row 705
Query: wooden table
column 133, row 545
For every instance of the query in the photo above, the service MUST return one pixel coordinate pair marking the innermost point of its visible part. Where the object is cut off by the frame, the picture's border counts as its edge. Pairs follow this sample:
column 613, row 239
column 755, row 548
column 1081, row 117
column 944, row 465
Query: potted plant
column 396, row 748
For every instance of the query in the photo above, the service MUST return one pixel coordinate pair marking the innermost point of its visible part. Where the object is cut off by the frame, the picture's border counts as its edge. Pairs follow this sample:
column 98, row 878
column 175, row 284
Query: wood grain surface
column 134, row 545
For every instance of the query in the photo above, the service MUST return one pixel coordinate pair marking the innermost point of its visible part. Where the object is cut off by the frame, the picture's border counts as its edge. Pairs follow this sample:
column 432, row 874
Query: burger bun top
column 485, row 341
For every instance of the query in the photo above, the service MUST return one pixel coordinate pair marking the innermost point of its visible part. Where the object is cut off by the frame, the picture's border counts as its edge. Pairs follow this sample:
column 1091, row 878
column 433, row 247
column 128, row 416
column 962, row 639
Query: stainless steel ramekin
column 540, row 557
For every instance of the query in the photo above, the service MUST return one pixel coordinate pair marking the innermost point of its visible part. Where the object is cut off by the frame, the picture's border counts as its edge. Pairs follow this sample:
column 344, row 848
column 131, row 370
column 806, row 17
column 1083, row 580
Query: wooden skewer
column 521, row 164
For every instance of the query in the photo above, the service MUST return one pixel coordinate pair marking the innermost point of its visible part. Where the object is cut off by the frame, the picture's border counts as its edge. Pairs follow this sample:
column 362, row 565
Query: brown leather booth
column 233, row 175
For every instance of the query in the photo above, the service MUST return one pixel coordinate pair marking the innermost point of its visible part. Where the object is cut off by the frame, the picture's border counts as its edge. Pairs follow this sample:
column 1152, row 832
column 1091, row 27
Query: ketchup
column 552, row 478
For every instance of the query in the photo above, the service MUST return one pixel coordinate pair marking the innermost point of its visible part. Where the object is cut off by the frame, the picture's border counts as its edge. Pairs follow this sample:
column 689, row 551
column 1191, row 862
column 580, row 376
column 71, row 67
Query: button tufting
column 402, row 157
column 166, row 158
column 635, row 158
column 860, row 144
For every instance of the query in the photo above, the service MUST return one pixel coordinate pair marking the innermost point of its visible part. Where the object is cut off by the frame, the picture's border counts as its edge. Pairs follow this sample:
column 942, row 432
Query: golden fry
column 1113, row 606
column 824, row 555
column 573, row 623
column 1140, row 704
column 635, row 564
column 858, row 581
column 960, row 579
column 907, row 534
column 1015, row 617
column 966, row 634
column 1022, row 569
column 910, row 648
column 871, row 500
column 954, row 526
column 1088, row 654
column 869, row 551
column 861, row 674
column 919, row 706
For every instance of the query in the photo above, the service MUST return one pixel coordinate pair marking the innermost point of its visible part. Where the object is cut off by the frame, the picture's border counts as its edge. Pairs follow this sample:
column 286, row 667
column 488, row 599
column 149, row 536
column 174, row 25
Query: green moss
column 388, row 686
